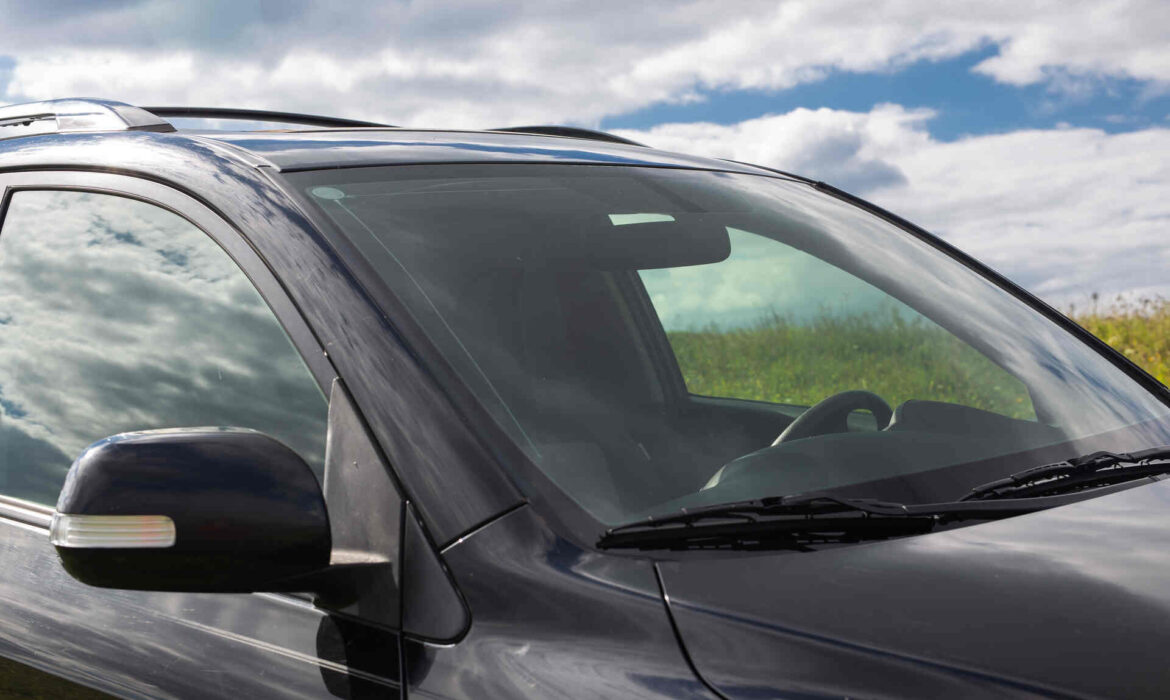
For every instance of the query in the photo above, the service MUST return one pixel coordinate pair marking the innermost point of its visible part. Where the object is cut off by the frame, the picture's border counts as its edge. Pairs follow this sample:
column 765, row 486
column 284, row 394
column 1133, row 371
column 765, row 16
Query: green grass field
column 1140, row 330
column 786, row 362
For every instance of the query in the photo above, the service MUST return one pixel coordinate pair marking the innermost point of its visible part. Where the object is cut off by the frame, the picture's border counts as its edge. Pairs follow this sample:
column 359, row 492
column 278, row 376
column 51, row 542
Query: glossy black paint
column 437, row 610
column 1071, row 601
column 247, row 510
column 137, row 644
column 23, row 681
column 550, row 619
column 365, row 521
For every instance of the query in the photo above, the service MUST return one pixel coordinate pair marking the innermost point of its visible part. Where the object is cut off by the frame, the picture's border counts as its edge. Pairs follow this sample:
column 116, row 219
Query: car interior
column 541, row 307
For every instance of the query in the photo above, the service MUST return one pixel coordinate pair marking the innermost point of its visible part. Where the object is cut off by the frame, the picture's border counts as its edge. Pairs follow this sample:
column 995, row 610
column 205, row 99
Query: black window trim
column 224, row 234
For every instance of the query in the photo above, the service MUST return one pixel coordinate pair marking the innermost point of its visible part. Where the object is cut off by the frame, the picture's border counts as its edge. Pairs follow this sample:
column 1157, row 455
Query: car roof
column 334, row 148
column 71, row 125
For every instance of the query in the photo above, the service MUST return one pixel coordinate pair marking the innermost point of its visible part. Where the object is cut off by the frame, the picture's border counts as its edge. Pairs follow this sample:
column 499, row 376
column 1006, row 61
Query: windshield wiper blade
column 794, row 522
column 1088, row 471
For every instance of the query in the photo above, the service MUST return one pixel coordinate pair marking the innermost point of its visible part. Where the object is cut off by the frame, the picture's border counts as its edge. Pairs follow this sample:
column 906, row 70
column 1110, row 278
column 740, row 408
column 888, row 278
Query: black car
column 360, row 411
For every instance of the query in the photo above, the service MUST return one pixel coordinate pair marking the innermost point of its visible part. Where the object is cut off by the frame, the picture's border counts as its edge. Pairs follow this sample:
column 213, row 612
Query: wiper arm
column 1088, row 471
column 794, row 522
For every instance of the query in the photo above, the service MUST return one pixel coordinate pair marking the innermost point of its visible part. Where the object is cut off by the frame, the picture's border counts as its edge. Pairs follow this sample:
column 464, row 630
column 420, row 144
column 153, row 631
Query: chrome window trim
column 26, row 512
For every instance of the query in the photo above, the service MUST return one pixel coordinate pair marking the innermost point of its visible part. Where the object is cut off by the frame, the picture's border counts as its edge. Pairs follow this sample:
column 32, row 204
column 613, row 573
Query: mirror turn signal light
column 112, row 531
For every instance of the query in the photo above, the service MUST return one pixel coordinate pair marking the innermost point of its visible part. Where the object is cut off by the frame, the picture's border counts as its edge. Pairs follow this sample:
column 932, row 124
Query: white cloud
column 102, row 72
column 1065, row 212
column 1055, row 208
column 845, row 148
column 1060, row 42
column 482, row 63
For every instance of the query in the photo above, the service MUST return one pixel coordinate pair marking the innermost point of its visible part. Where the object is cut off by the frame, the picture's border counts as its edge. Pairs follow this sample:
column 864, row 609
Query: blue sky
column 1035, row 135
column 967, row 103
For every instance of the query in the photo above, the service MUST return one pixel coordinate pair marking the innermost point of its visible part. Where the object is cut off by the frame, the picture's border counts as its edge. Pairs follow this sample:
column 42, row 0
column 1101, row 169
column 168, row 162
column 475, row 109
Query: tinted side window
column 116, row 315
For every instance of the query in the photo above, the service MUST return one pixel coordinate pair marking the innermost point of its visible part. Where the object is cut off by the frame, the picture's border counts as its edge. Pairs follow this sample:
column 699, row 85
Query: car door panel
column 144, row 644
column 20, row 680
column 148, row 644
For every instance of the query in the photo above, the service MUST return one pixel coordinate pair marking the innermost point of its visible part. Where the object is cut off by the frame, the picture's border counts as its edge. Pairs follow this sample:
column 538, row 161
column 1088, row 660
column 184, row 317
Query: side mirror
column 195, row 509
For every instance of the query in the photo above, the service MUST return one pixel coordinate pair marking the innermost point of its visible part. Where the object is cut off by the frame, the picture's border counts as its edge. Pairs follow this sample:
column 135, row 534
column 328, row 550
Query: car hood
column 1070, row 601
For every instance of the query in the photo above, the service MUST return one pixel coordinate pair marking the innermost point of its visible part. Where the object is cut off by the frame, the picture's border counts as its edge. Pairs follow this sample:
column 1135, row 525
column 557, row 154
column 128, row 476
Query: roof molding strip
column 572, row 132
column 76, row 115
column 95, row 115
column 258, row 115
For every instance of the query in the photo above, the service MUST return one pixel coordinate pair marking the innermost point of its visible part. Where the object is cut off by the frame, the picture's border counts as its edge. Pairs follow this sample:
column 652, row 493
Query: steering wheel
column 830, row 415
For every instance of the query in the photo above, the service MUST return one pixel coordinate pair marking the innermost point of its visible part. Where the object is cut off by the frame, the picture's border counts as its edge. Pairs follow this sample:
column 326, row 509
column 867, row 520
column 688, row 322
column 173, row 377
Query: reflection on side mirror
column 194, row 509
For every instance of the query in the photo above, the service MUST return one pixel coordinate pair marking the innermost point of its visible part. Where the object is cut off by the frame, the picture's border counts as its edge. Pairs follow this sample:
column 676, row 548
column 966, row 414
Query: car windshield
column 660, row 338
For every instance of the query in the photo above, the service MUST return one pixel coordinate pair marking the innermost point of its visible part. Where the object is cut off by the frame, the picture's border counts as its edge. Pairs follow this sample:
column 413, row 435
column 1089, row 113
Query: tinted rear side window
column 117, row 315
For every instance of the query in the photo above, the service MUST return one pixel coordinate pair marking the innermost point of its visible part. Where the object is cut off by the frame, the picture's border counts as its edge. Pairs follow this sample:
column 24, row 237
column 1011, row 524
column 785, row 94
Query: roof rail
column 258, row 115
column 571, row 132
column 72, row 115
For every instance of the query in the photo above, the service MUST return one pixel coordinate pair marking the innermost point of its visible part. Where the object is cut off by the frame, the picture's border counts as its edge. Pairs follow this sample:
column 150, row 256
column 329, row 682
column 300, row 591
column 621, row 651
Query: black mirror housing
column 195, row 509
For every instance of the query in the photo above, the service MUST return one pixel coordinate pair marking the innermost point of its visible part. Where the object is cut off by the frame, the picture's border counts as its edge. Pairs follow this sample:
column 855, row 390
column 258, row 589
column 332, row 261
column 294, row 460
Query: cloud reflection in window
column 119, row 316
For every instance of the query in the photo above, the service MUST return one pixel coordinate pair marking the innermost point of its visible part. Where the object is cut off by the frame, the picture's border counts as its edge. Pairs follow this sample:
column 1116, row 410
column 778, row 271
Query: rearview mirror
column 652, row 241
column 193, row 509
column 625, row 241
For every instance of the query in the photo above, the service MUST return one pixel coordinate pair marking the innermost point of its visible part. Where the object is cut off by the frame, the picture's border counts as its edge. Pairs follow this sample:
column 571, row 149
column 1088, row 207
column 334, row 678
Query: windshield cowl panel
column 654, row 339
